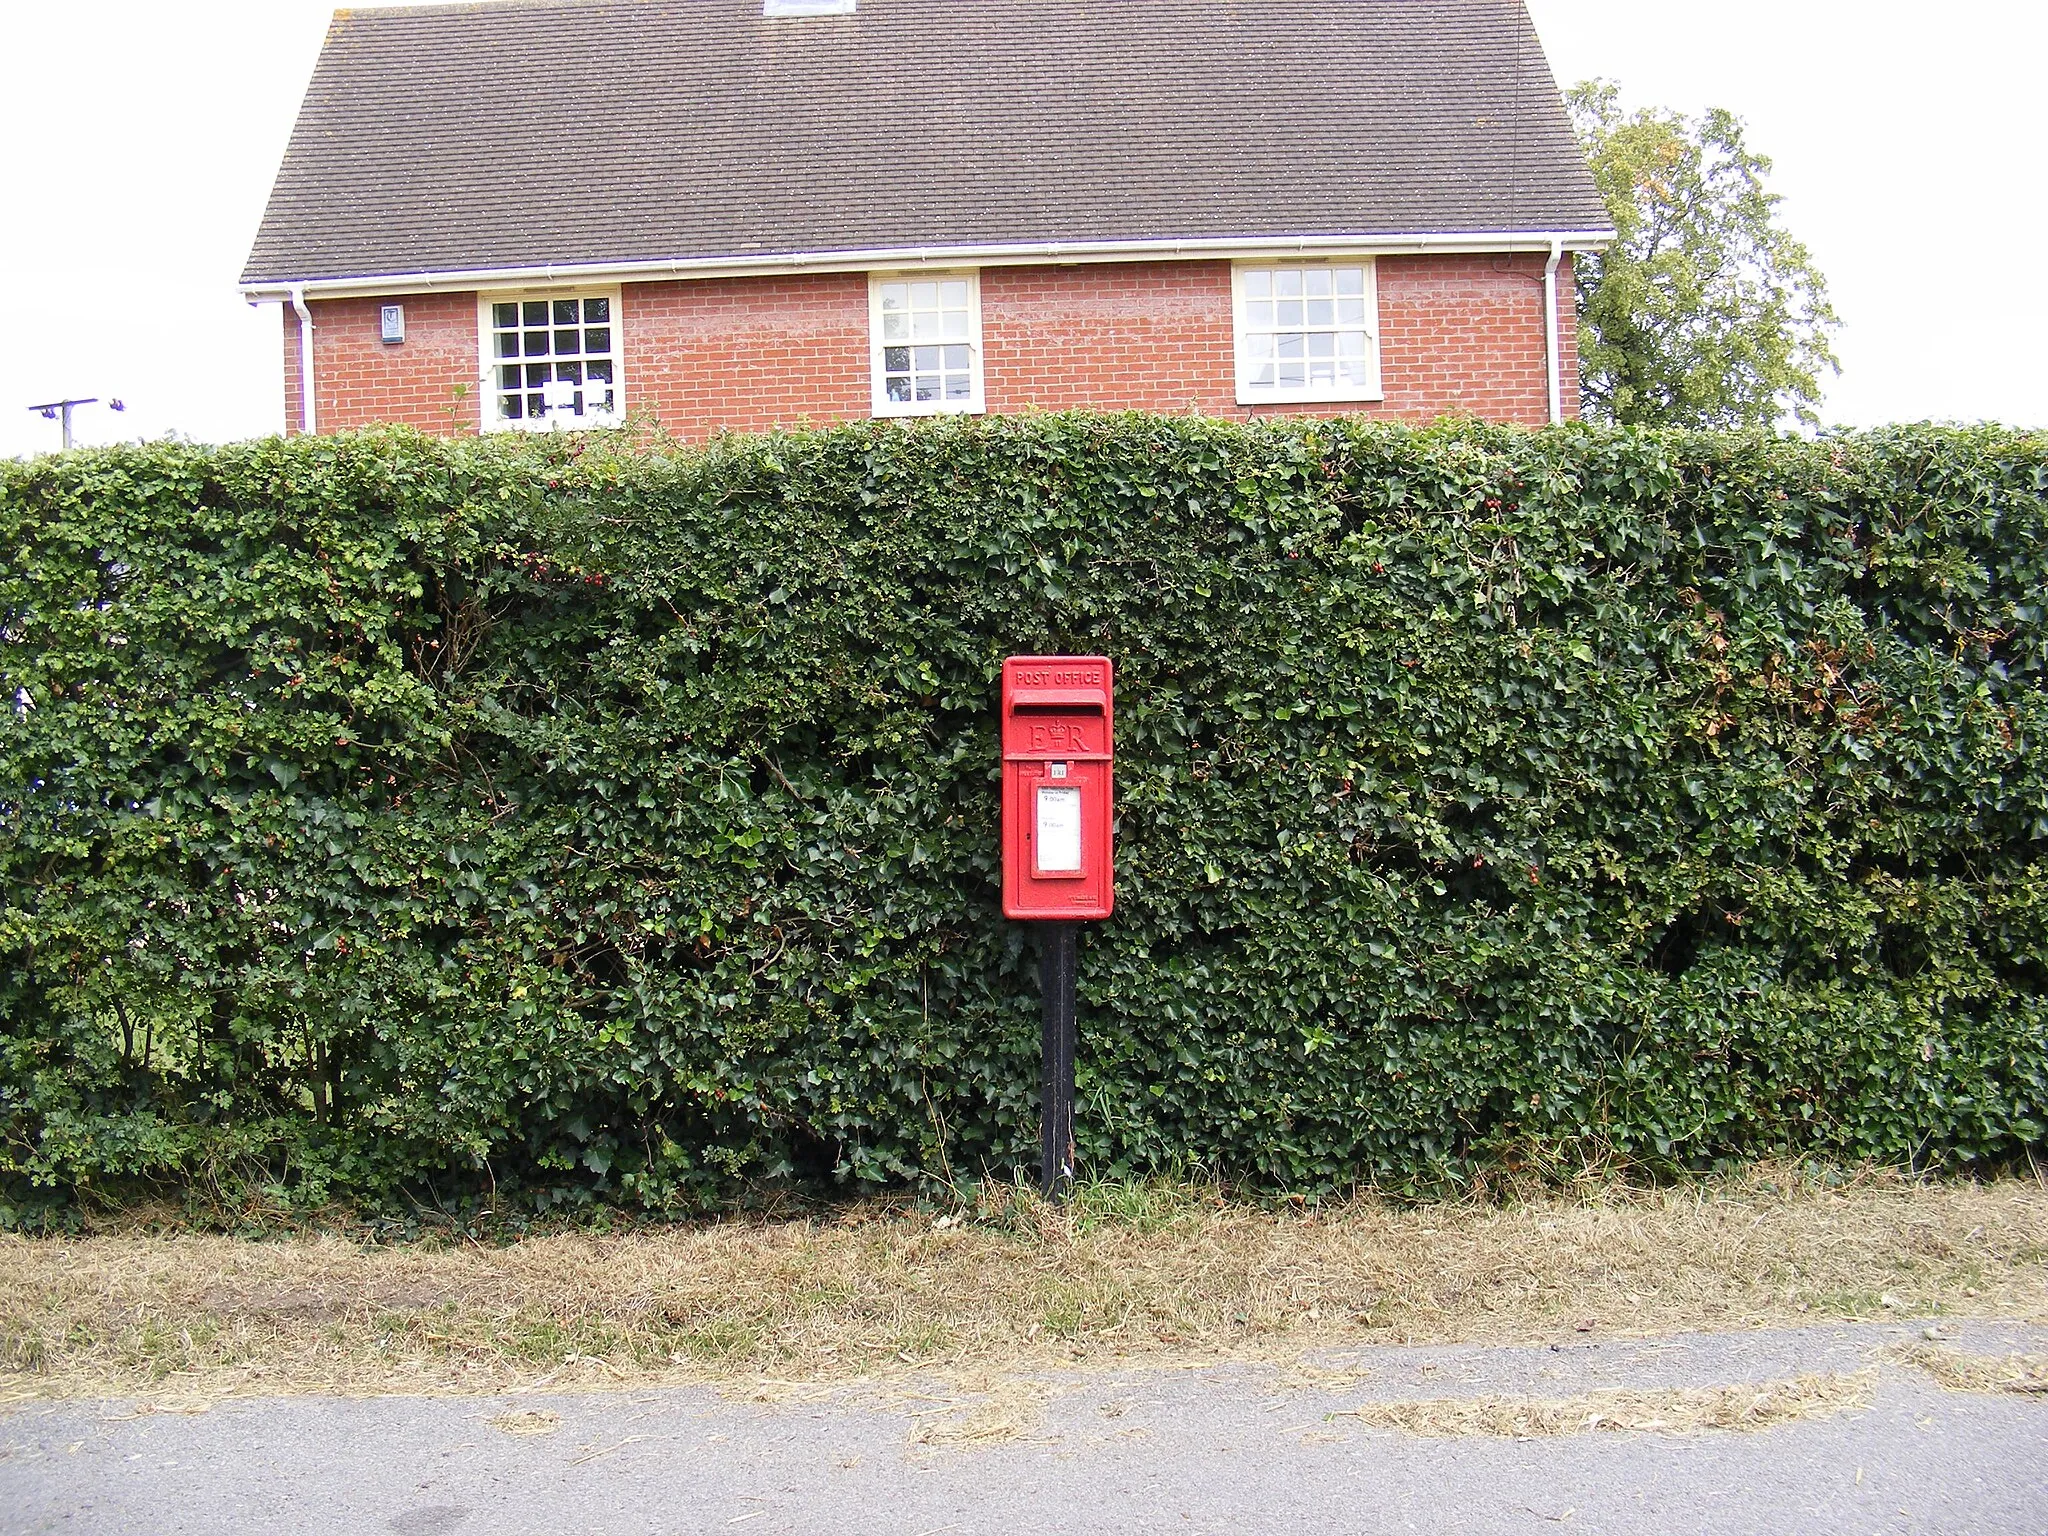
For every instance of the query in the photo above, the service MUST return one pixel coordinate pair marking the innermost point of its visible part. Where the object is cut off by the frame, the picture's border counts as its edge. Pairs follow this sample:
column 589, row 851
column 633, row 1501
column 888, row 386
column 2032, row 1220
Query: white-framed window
column 551, row 360
column 926, row 336
column 1308, row 331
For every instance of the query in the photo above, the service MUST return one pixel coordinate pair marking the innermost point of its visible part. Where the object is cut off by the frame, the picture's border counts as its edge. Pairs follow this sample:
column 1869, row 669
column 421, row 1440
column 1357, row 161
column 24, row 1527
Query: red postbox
column 1059, row 720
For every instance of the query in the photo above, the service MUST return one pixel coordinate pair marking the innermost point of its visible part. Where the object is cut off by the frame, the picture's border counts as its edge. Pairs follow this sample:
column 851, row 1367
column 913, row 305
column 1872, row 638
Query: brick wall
column 1460, row 335
column 745, row 354
column 1151, row 336
column 1568, row 337
column 1463, row 335
column 430, row 381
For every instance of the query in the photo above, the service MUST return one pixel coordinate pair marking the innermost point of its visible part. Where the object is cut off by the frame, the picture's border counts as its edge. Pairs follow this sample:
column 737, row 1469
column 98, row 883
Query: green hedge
column 380, row 814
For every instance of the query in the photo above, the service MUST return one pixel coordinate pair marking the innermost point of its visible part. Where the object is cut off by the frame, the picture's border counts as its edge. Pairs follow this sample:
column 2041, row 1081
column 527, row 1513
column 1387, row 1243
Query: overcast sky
column 1908, row 138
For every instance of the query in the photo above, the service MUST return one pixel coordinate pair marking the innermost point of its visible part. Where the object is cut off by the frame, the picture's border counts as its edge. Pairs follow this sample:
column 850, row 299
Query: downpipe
column 297, row 294
column 1553, row 361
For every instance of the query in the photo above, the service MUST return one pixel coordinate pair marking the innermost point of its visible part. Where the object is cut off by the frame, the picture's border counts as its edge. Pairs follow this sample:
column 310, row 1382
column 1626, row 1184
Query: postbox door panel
column 1056, row 835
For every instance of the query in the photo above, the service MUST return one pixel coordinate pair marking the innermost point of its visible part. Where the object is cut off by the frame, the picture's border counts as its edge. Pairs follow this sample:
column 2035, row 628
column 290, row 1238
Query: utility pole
column 51, row 411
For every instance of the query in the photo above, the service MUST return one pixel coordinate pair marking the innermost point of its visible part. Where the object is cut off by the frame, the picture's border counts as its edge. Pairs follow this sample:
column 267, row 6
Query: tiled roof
column 530, row 133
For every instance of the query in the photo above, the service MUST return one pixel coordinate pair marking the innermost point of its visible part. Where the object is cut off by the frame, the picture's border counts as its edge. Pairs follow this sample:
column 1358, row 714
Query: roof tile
column 529, row 133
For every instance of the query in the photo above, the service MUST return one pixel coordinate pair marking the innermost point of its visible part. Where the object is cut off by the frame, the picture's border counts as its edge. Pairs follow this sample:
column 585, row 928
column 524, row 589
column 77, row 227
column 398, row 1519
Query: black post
column 1058, row 961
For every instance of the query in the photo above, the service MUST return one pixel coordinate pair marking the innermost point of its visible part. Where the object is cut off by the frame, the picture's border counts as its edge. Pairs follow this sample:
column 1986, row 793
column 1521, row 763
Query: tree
column 1704, row 312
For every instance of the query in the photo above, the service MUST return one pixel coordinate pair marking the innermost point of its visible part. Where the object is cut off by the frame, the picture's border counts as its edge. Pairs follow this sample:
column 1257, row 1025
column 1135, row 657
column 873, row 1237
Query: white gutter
column 1552, row 356
column 297, row 294
column 1238, row 248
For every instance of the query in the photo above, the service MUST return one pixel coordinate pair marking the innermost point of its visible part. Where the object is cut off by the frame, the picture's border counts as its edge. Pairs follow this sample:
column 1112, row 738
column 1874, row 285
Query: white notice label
column 1059, row 831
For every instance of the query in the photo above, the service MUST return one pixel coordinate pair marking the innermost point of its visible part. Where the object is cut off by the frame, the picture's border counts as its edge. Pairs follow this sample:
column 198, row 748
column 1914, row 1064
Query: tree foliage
column 1705, row 312
column 381, row 814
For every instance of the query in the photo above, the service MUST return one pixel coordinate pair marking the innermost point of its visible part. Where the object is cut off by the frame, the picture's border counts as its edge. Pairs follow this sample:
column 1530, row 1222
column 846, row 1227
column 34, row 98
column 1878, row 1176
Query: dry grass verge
column 1674, row 1411
column 1960, row 1371
column 1124, row 1274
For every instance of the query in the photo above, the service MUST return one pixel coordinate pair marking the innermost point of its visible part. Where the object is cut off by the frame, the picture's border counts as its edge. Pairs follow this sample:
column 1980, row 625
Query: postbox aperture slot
column 1090, row 707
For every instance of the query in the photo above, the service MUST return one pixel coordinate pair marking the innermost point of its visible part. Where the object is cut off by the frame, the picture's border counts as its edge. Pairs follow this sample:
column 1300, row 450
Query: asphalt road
column 1229, row 1450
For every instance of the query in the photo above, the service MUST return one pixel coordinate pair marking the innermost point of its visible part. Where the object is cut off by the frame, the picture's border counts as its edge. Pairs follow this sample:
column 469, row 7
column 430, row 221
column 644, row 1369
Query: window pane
column 1263, row 379
column 1289, row 312
column 925, row 327
column 1322, row 312
column 1258, row 348
column 1259, row 314
column 1322, row 345
column 527, row 334
column 1350, row 280
column 1317, row 280
column 1351, row 343
column 1258, row 285
column 1289, row 346
column 1287, row 283
column 1351, row 311
column 1354, row 372
column 1292, row 375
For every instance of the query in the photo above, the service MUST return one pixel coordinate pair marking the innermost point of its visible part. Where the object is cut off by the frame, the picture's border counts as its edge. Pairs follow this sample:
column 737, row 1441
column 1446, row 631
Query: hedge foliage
column 585, row 823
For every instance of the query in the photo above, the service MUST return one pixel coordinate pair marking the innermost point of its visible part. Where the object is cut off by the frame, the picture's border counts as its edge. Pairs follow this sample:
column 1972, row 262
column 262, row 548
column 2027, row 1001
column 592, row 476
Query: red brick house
column 737, row 214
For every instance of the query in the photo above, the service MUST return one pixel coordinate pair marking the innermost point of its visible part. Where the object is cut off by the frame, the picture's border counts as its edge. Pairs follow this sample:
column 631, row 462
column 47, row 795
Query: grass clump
column 1746, row 1408
column 1962, row 1371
